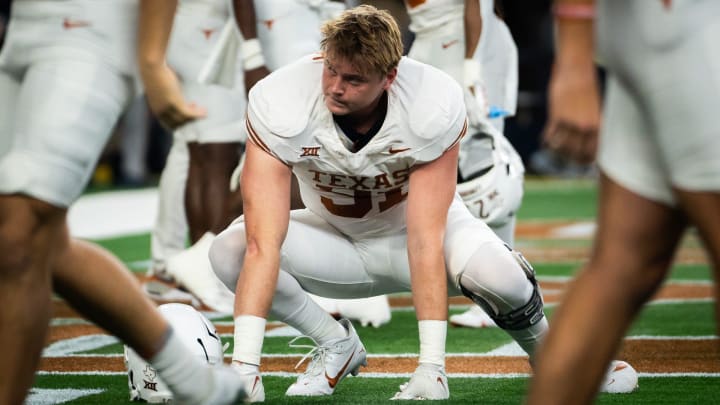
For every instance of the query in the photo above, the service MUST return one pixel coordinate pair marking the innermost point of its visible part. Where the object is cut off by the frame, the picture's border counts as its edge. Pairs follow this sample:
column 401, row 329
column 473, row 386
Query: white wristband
column 252, row 54
column 432, row 341
column 249, row 335
column 472, row 72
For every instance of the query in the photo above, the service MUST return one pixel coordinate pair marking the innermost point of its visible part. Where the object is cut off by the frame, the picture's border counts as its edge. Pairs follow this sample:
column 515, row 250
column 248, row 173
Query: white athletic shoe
column 427, row 382
column 621, row 378
column 164, row 292
column 474, row 317
column 330, row 364
column 192, row 270
column 373, row 311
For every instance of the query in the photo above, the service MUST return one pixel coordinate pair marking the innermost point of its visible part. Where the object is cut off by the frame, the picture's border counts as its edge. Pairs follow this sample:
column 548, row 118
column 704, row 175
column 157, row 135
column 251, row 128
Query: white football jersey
column 88, row 30
column 428, row 14
column 361, row 193
column 196, row 31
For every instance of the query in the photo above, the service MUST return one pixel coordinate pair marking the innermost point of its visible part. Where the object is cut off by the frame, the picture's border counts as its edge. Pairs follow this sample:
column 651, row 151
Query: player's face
column 347, row 91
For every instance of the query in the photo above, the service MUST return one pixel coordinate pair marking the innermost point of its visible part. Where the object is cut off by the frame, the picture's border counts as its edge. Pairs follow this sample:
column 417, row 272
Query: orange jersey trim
column 253, row 136
column 463, row 131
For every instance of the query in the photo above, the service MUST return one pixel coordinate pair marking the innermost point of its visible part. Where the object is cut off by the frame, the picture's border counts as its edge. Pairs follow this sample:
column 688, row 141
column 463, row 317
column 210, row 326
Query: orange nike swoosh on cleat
column 69, row 24
column 257, row 380
column 447, row 45
column 394, row 151
column 332, row 381
column 440, row 381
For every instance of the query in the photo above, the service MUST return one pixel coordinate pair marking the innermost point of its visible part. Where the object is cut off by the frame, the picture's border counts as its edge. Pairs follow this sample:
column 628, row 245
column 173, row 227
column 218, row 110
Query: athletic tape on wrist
column 252, row 54
column 249, row 335
column 432, row 341
column 472, row 72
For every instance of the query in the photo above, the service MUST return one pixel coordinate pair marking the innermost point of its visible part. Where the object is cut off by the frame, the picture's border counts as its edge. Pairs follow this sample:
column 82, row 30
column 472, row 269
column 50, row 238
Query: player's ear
column 390, row 77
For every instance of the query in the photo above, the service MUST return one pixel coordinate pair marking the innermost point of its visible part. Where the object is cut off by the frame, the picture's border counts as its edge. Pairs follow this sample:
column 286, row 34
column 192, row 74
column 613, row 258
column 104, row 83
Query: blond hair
column 366, row 37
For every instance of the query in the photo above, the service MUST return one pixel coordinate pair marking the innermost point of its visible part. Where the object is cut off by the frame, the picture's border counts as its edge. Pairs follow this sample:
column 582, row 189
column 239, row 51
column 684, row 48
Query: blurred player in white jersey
column 466, row 39
column 208, row 57
column 72, row 69
column 658, row 158
column 368, row 134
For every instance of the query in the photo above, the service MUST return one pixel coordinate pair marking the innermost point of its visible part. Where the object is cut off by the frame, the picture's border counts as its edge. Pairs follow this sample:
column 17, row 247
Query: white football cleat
column 374, row 311
column 621, row 378
column 427, row 382
column 330, row 363
column 192, row 270
column 474, row 317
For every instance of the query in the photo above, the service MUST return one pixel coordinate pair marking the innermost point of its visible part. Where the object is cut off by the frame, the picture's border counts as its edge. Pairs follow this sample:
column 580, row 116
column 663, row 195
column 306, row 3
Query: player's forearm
column 473, row 27
column 155, row 25
column 256, row 284
column 575, row 33
column 428, row 278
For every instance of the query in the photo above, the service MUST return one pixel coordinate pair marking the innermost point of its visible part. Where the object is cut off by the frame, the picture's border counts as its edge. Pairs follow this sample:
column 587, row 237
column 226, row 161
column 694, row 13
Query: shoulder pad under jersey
column 282, row 102
column 434, row 100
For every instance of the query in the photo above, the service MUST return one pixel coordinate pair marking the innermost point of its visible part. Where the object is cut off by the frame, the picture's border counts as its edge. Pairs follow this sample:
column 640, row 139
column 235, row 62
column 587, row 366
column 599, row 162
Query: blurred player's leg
column 703, row 210
column 51, row 160
column 207, row 192
column 634, row 249
column 170, row 230
column 24, row 282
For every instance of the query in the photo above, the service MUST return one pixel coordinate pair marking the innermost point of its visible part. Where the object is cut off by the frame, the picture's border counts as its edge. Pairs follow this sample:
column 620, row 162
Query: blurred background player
column 658, row 158
column 72, row 69
column 213, row 66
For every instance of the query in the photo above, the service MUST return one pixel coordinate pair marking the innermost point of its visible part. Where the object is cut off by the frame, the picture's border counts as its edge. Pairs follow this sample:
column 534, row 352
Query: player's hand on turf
column 427, row 382
column 573, row 112
column 166, row 100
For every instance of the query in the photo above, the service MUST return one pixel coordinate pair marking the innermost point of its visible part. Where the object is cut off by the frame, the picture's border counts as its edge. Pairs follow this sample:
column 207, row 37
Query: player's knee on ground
column 503, row 285
column 226, row 254
column 20, row 225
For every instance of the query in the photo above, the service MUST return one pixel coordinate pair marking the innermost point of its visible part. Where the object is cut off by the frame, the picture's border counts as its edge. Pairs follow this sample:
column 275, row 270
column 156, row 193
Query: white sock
column 187, row 376
column 292, row 305
column 311, row 320
column 530, row 337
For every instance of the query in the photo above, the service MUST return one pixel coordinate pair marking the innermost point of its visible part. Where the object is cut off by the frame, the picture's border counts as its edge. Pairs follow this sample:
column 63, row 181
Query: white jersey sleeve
column 434, row 106
column 281, row 105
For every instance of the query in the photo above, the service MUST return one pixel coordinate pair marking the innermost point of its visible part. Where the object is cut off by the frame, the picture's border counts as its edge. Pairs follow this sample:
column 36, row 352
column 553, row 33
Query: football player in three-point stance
column 368, row 134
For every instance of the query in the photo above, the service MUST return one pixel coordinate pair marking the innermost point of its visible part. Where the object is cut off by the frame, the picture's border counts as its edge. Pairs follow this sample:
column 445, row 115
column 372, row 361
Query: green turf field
column 545, row 201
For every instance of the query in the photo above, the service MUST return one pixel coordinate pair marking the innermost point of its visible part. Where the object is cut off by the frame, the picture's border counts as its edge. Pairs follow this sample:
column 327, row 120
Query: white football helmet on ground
column 194, row 330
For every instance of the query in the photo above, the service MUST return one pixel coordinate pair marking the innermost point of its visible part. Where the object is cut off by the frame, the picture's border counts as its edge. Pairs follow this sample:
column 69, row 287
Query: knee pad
column 518, row 318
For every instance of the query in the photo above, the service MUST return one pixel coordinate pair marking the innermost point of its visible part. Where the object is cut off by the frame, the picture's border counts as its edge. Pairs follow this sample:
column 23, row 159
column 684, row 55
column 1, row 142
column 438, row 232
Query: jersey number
column 362, row 202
